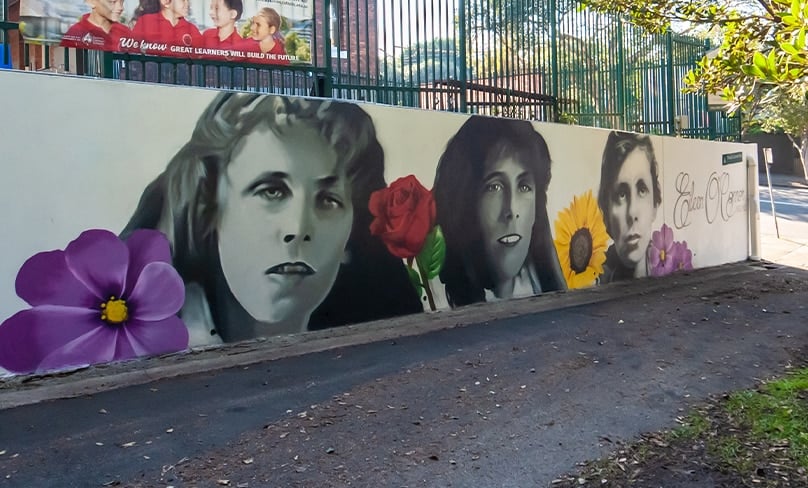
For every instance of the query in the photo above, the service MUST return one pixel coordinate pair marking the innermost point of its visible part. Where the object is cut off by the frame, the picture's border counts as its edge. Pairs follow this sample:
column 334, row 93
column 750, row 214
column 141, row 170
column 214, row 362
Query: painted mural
column 247, row 216
column 256, row 31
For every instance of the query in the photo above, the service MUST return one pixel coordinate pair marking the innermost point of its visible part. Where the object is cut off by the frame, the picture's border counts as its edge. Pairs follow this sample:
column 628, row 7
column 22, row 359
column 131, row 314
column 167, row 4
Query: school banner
column 274, row 32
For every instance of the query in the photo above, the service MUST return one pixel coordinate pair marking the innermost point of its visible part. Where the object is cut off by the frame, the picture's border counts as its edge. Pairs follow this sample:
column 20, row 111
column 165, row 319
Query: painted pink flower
column 99, row 300
column 661, row 252
column 683, row 256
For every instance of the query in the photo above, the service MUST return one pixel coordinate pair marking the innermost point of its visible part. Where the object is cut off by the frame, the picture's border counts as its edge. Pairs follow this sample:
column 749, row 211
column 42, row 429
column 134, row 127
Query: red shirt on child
column 86, row 35
column 253, row 46
column 154, row 28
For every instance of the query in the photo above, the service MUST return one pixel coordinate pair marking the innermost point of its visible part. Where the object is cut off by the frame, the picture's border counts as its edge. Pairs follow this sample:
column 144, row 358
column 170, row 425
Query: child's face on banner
column 220, row 14
column 260, row 28
column 180, row 8
column 110, row 10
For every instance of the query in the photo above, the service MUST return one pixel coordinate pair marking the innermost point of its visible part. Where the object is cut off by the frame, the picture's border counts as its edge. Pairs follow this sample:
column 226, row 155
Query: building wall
column 784, row 155
column 15, row 39
column 136, row 234
column 355, row 45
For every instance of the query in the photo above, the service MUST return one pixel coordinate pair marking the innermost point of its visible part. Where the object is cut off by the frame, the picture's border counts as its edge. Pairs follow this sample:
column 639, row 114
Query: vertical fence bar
column 327, row 43
column 670, row 83
column 552, row 18
column 621, row 76
column 462, row 34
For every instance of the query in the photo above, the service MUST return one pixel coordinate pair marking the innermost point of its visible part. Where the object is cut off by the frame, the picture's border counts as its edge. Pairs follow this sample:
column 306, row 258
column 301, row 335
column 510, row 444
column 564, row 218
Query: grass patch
column 694, row 426
column 748, row 438
column 776, row 413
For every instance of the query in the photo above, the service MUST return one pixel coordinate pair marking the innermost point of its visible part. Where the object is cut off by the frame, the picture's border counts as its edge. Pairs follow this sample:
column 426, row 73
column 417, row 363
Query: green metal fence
column 7, row 29
column 544, row 60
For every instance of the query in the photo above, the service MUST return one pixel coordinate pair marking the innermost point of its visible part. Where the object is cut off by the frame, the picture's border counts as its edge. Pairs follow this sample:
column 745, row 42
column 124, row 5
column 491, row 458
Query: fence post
column 329, row 69
column 553, row 14
column 621, row 75
column 461, row 5
column 671, row 92
column 107, row 63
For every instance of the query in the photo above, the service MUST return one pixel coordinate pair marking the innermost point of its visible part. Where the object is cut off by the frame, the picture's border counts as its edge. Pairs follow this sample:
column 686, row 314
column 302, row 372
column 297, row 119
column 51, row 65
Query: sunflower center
column 580, row 250
column 114, row 311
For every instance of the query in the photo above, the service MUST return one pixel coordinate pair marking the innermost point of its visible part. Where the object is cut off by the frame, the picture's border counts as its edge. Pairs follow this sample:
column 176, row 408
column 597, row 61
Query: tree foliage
column 762, row 43
column 425, row 62
column 761, row 64
column 785, row 108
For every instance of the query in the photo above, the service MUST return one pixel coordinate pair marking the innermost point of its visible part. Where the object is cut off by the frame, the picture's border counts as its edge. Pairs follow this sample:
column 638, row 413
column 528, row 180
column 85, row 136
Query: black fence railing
column 543, row 60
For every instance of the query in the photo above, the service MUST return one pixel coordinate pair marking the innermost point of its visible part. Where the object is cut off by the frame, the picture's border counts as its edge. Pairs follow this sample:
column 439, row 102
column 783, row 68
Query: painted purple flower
column 99, row 300
column 661, row 252
column 683, row 256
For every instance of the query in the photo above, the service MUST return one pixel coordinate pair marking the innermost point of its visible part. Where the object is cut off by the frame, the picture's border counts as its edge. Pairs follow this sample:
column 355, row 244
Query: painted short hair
column 619, row 145
column 457, row 186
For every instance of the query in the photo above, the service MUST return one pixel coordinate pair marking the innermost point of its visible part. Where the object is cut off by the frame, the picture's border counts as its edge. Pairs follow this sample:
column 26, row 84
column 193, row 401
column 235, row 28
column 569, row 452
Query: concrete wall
column 146, row 219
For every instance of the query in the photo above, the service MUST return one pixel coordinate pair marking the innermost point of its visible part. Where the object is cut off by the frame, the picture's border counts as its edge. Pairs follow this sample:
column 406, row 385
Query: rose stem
column 425, row 281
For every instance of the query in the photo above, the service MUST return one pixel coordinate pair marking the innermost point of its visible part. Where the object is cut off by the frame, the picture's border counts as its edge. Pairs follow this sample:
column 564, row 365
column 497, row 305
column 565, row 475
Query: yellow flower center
column 662, row 255
column 114, row 311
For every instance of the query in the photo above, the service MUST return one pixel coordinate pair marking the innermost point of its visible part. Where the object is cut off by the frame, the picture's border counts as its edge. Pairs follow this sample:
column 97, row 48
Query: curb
column 31, row 389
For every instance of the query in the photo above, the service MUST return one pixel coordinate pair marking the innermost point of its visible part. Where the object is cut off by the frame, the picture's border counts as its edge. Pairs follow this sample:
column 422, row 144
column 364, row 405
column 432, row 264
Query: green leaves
column 430, row 259
column 430, row 262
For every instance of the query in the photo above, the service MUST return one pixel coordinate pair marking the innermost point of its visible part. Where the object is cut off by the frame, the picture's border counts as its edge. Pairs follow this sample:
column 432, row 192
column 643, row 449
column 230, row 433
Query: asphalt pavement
column 507, row 394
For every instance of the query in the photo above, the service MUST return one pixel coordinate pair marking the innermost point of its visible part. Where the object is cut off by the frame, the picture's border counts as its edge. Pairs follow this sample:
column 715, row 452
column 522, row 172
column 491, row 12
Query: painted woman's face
column 285, row 222
column 507, row 212
column 632, row 209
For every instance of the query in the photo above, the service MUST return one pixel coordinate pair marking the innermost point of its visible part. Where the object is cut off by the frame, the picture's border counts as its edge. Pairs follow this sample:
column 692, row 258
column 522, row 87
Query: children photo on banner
column 251, row 31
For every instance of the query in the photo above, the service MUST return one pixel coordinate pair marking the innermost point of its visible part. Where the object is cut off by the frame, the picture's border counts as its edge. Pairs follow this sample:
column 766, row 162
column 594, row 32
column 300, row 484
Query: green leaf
column 752, row 70
column 415, row 279
column 795, row 8
column 771, row 62
column 430, row 259
column 787, row 47
column 800, row 44
column 760, row 61
column 789, row 19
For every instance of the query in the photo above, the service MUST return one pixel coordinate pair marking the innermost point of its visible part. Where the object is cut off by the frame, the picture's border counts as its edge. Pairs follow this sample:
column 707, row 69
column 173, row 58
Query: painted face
column 180, row 8
column 110, row 10
column 284, row 224
column 220, row 14
column 507, row 212
column 260, row 28
column 632, row 209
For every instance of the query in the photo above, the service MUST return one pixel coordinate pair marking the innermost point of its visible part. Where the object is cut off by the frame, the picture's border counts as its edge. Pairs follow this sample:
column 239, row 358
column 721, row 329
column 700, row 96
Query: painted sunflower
column 581, row 241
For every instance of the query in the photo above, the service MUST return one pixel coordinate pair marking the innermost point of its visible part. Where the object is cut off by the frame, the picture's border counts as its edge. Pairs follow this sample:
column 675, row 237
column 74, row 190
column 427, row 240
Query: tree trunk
column 802, row 150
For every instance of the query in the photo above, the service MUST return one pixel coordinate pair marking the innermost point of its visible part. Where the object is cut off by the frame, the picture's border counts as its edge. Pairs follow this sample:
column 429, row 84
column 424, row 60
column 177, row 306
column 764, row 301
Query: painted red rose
column 404, row 213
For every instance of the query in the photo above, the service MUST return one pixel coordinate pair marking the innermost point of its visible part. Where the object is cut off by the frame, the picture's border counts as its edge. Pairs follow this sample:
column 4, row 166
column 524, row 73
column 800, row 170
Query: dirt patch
column 714, row 448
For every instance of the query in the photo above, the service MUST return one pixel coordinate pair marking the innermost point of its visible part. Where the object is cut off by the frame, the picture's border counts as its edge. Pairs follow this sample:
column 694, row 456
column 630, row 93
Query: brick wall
column 357, row 37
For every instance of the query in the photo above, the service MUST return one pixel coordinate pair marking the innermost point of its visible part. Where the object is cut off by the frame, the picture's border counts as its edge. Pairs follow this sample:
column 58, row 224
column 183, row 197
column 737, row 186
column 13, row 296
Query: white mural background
column 80, row 152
